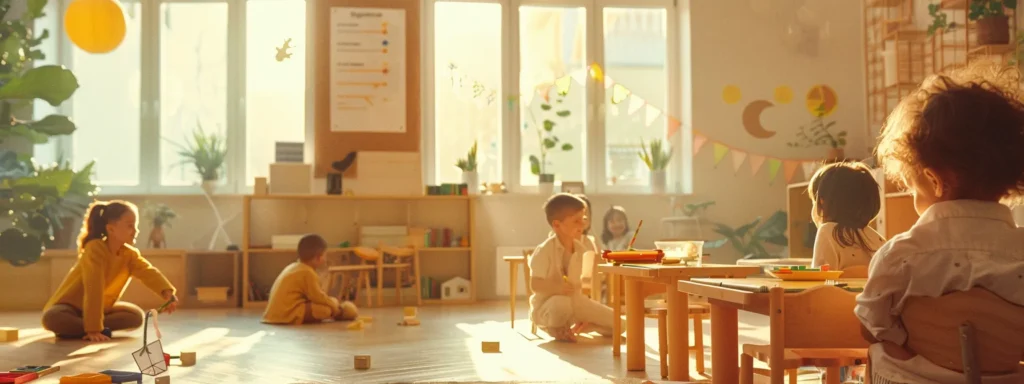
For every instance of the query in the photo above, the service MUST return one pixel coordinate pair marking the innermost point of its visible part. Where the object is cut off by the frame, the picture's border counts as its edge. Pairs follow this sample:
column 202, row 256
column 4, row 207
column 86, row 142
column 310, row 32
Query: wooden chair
column 974, row 331
column 816, row 327
column 513, row 266
column 856, row 272
column 407, row 260
column 698, row 312
column 369, row 260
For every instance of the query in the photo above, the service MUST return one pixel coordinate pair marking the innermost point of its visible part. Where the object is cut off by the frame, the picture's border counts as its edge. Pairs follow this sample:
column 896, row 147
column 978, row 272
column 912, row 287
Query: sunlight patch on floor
column 541, row 363
column 244, row 345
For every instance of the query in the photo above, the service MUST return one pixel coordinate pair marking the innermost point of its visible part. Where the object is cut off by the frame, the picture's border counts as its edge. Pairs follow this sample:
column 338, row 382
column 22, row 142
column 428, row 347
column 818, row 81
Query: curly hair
column 967, row 127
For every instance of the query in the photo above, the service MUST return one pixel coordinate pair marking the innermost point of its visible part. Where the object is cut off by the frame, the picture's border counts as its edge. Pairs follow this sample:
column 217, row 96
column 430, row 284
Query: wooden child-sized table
column 667, row 275
column 750, row 294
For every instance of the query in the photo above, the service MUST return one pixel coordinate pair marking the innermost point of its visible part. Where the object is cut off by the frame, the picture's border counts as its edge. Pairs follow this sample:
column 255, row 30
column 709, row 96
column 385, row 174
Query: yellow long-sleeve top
column 297, row 285
column 99, row 278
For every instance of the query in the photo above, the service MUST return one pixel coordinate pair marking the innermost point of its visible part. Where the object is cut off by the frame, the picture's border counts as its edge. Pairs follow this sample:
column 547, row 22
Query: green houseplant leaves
column 749, row 239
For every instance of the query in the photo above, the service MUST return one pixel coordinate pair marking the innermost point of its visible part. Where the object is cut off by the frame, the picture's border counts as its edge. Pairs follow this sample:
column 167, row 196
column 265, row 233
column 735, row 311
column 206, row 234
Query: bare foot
column 580, row 328
column 564, row 334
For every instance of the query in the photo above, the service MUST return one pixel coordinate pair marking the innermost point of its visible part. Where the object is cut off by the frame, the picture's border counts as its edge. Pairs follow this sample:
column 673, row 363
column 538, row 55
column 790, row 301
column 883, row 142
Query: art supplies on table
column 804, row 273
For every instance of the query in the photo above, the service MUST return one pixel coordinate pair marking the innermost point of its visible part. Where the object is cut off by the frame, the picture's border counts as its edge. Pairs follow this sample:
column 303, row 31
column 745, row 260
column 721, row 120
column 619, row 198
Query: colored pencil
column 635, row 233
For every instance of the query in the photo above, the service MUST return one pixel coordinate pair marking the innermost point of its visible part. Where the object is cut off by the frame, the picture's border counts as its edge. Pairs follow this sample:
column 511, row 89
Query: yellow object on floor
column 86, row 378
column 356, row 325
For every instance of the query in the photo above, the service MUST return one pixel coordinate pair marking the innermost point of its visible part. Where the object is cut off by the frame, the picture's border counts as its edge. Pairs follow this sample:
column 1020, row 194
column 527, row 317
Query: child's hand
column 173, row 306
column 95, row 336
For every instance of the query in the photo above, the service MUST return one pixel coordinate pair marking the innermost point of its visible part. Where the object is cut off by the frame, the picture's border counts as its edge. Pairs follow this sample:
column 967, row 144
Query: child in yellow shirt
column 297, row 298
column 86, row 304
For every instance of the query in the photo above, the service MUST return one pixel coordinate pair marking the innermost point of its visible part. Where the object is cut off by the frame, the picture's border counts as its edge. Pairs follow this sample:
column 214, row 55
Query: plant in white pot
column 469, row 175
column 205, row 152
column 548, row 142
column 657, row 159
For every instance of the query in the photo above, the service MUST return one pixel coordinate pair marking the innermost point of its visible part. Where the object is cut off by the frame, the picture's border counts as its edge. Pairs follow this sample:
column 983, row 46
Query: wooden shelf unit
column 896, row 215
column 889, row 27
column 958, row 46
column 338, row 217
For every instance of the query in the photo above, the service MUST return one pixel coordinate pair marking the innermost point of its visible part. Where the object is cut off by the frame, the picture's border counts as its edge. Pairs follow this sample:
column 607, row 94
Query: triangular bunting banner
column 545, row 91
column 635, row 103
column 698, row 142
column 652, row 114
column 619, row 93
column 773, row 168
column 563, row 84
column 673, row 126
column 737, row 160
column 789, row 168
column 608, row 82
column 720, row 151
column 809, row 168
column 756, row 161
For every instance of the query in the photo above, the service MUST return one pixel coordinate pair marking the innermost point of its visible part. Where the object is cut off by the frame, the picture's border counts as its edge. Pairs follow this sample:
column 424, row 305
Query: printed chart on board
column 368, row 92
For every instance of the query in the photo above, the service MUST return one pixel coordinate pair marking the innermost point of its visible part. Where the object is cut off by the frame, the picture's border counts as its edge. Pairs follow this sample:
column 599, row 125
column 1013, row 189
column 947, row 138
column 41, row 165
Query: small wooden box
column 409, row 311
column 187, row 359
column 291, row 178
column 8, row 334
column 259, row 187
column 490, row 347
column 163, row 380
column 362, row 361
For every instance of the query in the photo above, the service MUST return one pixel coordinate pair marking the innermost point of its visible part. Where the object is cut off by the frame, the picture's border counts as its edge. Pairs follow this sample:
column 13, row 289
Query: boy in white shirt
column 557, row 305
column 958, row 143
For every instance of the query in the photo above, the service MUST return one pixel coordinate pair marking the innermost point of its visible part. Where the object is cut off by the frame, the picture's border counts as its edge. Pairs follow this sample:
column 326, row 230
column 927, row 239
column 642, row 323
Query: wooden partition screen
column 332, row 146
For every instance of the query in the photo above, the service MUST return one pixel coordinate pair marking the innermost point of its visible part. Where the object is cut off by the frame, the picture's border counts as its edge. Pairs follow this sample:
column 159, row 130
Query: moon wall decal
column 752, row 119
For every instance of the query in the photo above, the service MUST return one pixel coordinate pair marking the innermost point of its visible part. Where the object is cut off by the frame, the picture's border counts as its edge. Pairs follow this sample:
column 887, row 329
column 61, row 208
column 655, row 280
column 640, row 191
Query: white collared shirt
column 954, row 246
column 547, row 262
column 828, row 251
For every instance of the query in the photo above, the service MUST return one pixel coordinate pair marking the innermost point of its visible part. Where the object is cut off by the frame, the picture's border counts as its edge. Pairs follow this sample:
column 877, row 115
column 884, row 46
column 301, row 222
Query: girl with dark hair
column 86, row 305
column 845, row 198
column 615, row 235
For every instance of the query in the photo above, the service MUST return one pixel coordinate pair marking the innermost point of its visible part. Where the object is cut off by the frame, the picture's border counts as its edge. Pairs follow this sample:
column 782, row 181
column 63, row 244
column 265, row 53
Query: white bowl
column 688, row 252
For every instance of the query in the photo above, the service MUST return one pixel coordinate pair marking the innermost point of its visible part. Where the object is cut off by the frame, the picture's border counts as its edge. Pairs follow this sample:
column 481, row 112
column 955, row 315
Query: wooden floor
column 234, row 347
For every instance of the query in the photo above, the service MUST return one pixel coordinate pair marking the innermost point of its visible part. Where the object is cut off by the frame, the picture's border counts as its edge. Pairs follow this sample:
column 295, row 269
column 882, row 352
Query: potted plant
column 657, row 160
column 469, row 174
column 66, row 212
column 940, row 20
column 992, row 23
column 749, row 238
column 159, row 215
column 818, row 134
column 25, row 189
column 548, row 142
column 206, row 152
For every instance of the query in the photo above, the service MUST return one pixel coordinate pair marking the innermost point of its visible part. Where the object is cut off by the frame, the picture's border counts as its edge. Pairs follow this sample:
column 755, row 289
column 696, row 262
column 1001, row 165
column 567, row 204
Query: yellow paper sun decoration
column 95, row 26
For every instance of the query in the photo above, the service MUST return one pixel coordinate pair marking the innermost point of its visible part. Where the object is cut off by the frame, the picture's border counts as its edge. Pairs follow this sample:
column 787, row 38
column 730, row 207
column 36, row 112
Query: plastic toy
column 17, row 377
column 118, row 377
column 86, row 378
column 41, row 370
column 636, row 256
column 490, row 347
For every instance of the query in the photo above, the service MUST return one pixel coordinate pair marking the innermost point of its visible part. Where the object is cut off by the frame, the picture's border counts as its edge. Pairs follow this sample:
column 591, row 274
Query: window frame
column 679, row 170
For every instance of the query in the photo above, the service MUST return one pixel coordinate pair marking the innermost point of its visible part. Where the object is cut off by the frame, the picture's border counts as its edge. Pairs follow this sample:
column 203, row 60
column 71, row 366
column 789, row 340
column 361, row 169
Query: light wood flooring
column 234, row 347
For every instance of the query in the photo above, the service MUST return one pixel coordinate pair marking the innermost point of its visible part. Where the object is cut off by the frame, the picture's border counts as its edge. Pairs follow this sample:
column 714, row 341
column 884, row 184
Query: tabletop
column 679, row 271
column 750, row 291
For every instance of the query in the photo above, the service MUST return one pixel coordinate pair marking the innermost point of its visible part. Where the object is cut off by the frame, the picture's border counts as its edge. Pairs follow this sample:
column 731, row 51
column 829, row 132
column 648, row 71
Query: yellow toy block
column 86, row 378
column 356, row 325
column 187, row 359
column 490, row 347
column 365, row 319
column 409, row 311
column 409, row 322
column 8, row 334
column 362, row 362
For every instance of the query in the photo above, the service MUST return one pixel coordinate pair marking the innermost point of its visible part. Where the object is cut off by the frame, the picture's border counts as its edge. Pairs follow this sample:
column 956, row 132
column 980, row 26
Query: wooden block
column 163, row 380
column 356, row 325
column 18, row 377
column 490, row 347
column 410, row 311
column 8, row 334
column 187, row 359
column 41, row 370
column 366, row 319
column 362, row 361
column 409, row 322
column 260, row 186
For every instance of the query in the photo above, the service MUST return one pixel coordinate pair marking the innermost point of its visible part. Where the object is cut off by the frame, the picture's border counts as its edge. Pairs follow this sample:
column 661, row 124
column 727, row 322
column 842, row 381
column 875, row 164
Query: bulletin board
column 375, row 128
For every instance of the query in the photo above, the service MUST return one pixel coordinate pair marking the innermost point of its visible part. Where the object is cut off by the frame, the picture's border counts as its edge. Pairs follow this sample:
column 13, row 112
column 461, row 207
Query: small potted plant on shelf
column 991, row 20
column 206, row 152
column 749, row 239
column 159, row 215
column 548, row 142
column 657, row 160
column 469, row 175
column 819, row 133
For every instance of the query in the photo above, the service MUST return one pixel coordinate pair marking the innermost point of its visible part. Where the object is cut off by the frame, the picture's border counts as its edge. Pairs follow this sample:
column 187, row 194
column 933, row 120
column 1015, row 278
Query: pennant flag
column 652, row 114
column 608, row 82
column 809, row 168
column 673, row 126
column 720, row 151
column 698, row 142
column 596, row 72
column 755, row 163
column 635, row 103
column 545, row 91
column 563, row 84
column 619, row 93
column 789, row 169
column 737, row 160
column 773, row 168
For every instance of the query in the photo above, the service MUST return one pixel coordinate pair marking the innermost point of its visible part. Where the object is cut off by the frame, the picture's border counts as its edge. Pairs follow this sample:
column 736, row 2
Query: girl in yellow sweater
column 86, row 304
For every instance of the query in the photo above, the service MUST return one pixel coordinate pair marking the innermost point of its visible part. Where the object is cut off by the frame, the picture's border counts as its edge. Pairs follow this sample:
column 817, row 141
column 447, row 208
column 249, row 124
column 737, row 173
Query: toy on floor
column 362, row 362
column 409, row 317
column 365, row 319
column 41, row 370
column 17, row 377
column 187, row 359
column 8, row 334
column 86, row 378
column 119, row 377
column 356, row 325
column 163, row 380
column 490, row 347
column 150, row 358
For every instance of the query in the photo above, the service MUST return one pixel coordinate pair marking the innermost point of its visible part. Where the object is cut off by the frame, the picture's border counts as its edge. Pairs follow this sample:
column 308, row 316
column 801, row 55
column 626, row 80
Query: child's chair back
column 933, row 325
column 855, row 272
column 819, row 317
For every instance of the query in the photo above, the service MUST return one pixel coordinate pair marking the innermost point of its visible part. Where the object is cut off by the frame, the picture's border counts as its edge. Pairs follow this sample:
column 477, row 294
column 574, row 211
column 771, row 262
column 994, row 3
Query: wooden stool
column 697, row 313
column 513, row 267
column 408, row 260
column 369, row 260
